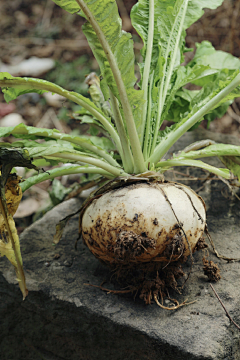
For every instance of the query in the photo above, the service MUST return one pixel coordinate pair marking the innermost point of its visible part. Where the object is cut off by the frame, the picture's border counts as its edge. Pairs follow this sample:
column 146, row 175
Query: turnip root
column 144, row 222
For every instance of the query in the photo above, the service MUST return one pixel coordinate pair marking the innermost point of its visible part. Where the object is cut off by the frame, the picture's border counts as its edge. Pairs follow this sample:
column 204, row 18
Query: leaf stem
column 196, row 163
column 211, row 150
column 89, row 160
column 126, row 155
column 147, row 65
column 132, row 131
column 61, row 171
column 147, row 136
column 184, row 125
column 85, row 145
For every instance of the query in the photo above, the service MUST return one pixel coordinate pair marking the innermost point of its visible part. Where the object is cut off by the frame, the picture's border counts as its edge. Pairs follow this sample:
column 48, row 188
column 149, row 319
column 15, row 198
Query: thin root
column 113, row 291
column 173, row 307
column 224, row 308
column 215, row 250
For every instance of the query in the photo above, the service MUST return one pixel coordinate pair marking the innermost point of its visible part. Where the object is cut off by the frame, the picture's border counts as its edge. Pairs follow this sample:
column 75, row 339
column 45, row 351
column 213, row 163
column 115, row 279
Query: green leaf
column 182, row 104
column 102, row 143
column 87, row 145
column 171, row 19
column 220, row 81
column 232, row 163
column 37, row 150
column 207, row 55
column 106, row 14
column 207, row 68
column 208, row 92
column 225, row 90
column 69, row 5
column 178, row 101
column 165, row 25
column 120, row 42
column 58, row 192
column 228, row 154
column 27, row 132
column 15, row 86
column 185, row 101
column 212, row 150
column 11, row 93
column 217, row 60
column 109, row 44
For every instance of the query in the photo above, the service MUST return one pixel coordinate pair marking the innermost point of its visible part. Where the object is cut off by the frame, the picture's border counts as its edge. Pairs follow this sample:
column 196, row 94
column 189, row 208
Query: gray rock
column 65, row 318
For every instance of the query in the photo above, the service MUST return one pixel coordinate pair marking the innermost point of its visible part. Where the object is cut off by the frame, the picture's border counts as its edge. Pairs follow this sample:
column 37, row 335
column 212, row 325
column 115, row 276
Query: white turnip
column 144, row 222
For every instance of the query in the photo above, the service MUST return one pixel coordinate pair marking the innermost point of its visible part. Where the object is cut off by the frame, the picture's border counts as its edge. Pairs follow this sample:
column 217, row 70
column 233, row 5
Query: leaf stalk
column 64, row 170
column 126, row 155
column 146, row 70
column 132, row 132
column 89, row 160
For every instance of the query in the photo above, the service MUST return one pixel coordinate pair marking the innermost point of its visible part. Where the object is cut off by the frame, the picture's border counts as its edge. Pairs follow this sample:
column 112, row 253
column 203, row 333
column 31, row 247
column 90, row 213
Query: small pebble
column 67, row 263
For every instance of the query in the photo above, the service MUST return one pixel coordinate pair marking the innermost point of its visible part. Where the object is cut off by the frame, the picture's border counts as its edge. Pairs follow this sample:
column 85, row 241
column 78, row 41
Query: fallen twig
column 227, row 313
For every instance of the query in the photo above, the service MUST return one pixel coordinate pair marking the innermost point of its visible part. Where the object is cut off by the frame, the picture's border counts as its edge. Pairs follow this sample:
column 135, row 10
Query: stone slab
column 65, row 319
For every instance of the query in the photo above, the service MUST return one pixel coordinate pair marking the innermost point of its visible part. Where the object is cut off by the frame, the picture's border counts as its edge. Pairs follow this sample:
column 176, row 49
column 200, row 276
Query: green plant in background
column 130, row 119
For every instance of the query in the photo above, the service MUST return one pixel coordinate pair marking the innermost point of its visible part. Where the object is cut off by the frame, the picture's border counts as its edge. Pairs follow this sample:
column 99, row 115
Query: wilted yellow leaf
column 13, row 194
column 9, row 244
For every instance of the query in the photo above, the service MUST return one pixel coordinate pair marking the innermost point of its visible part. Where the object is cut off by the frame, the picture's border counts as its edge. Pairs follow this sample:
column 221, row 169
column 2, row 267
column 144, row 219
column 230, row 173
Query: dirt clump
column 211, row 270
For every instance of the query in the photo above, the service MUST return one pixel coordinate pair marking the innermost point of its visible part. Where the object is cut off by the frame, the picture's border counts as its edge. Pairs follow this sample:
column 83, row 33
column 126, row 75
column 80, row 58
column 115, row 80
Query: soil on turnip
column 129, row 245
column 201, row 244
column 176, row 247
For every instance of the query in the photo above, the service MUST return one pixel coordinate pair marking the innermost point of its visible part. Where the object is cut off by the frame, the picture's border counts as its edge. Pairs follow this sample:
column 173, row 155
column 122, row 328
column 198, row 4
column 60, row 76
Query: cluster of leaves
column 132, row 118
